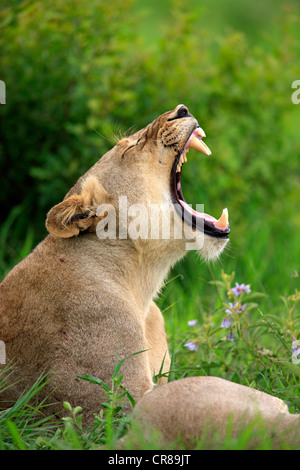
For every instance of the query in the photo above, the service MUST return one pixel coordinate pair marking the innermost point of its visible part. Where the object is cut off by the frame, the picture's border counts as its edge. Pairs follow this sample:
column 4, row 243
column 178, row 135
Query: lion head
column 143, row 171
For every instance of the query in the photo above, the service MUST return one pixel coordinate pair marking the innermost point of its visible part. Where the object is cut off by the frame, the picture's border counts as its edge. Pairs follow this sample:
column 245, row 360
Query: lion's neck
column 138, row 268
column 150, row 269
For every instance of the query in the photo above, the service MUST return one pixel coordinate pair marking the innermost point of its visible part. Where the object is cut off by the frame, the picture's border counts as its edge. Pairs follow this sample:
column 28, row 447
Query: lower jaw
column 189, row 216
column 200, row 224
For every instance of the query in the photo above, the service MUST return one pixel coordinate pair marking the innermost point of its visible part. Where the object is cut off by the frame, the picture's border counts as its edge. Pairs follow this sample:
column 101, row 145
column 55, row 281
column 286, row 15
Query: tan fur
column 209, row 410
column 77, row 302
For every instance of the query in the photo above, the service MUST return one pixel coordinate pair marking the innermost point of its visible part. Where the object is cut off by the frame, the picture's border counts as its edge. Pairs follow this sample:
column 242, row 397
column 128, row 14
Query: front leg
column 157, row 342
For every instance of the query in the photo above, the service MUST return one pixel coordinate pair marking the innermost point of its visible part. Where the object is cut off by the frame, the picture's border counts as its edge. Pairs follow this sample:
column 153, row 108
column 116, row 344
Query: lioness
column 84, row 298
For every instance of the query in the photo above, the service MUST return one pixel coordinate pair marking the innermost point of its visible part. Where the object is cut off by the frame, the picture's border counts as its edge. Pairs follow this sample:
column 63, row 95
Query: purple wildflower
column 235, row 308
column 295, row 348
column 231, row 307
column 239, row 288
column 225, row 323
column 191, row 346
column 192, row 322
column 230, row 337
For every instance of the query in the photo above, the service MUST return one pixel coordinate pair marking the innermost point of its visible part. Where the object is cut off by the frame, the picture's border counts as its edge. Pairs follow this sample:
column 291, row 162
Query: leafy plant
column 112, row 417
column 24, row 422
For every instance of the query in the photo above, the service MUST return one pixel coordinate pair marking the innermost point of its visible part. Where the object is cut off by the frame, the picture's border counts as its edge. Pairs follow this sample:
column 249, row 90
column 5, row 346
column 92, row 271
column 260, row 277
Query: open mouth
column 213, row 227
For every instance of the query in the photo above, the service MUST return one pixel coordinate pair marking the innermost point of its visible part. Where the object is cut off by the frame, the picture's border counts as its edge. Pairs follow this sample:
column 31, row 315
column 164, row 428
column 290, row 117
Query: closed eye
column 131, row 146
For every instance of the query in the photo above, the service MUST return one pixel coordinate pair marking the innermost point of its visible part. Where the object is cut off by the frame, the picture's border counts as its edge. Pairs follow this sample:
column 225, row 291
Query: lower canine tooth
column 223, row 220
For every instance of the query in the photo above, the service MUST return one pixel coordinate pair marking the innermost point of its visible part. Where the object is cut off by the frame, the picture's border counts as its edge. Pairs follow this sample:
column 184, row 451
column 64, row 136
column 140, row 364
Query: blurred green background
column 79, row 74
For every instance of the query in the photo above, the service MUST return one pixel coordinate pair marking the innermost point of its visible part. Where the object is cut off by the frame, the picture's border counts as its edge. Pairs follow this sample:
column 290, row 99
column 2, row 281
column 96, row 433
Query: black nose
column 183, row 112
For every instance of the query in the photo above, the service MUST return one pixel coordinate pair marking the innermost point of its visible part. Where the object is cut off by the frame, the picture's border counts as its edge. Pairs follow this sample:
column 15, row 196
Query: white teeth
column 195, row 141
column 200, row 132
column 223, row 220
column 197, row 144
column 182, row 160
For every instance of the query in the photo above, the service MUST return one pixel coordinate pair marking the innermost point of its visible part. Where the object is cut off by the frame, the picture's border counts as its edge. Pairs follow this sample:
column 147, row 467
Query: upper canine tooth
column 199, row 145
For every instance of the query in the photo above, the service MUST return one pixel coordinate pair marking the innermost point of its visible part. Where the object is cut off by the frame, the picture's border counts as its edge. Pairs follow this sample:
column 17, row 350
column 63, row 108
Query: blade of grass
column 274, row 330
column 120, row 363
column 15, row 435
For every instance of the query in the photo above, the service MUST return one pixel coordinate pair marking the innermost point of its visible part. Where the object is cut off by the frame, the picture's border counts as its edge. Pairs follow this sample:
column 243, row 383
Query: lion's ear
column 78, row 212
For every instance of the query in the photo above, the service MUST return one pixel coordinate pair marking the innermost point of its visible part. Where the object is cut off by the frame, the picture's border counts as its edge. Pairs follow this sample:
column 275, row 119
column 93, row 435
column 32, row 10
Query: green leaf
column 79, row 421
column 67, row 406
column 119, row 365
column 77, row 409
column 95, row 380
column 130, row 398
column 15, row 435
column 217, row 283
column 118, row 380
column 254, row 296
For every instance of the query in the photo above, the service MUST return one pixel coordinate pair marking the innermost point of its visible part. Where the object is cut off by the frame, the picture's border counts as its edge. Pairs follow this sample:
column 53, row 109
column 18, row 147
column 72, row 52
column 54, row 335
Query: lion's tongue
column 221, row 223
column 195, row 141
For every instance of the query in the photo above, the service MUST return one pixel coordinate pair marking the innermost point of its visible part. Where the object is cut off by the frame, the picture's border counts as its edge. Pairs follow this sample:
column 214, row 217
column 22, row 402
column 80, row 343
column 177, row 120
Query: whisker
column 103, row 136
